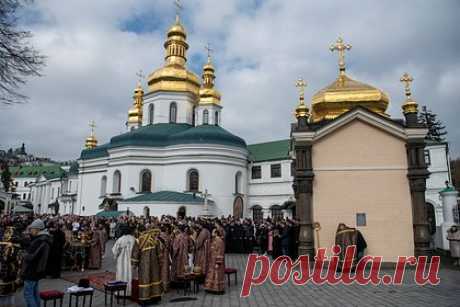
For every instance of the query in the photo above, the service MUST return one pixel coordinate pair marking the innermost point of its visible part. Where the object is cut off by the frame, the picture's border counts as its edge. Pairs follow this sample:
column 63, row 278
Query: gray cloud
column 261, row 49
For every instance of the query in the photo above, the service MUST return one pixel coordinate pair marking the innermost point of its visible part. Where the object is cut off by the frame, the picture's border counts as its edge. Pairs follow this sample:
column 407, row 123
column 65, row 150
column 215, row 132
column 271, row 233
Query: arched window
column 103, row 185
column 238, row 183
column 205, row 117
column 173, row 112
column 193, row 180
column 216, row 118
column 151, row 110
column 146, row 181
column 117, row 182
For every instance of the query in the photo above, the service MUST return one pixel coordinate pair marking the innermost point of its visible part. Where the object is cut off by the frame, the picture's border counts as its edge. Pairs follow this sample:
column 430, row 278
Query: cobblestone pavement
column 447, row 293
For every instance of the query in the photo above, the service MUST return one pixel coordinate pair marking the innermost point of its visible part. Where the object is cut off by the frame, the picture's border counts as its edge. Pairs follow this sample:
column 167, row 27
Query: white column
column 449, row 202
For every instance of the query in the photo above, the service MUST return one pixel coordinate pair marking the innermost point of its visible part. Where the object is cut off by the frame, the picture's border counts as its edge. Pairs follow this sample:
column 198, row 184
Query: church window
column 103, row 185
column 151, row 113
column 205, row 117
column 361, row 219
column 275, row 170
column 193, row 180
column 256, row 172
column 238, row 183
column 146, row 181
column 173, row 113
column 117, row 182
column 427, row 158
column 216, row 118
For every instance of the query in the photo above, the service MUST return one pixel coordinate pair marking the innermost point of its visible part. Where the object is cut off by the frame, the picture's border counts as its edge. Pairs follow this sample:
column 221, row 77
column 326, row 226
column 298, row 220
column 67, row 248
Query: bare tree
column 18, row 59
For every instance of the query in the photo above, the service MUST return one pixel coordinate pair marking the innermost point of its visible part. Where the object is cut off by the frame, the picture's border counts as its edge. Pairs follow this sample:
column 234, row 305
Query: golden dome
column 174, row 76
column 135, row 112
column 208, row 94
column 91, row 141
column 343, row 95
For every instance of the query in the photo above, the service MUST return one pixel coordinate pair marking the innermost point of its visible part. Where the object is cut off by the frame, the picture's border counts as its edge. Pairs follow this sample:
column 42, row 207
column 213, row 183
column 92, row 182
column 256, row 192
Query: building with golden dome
column 347, row 159
column 356, row 165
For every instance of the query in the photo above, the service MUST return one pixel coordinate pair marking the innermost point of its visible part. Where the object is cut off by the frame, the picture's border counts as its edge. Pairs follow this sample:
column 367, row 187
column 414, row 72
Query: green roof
column 162, row 135
column 49, row 171
column 448, row 189
column 270, row 151
column 167, row 196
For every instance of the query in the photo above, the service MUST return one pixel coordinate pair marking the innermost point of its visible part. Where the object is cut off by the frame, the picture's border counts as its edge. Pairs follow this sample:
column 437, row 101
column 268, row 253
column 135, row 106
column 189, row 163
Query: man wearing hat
column 35, row 260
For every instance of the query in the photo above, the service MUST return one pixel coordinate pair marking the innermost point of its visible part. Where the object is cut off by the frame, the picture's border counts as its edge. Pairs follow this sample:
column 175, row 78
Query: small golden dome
column 91, row 141
column 177, row 29
column 343, row 95
column 208, row 93
column 174, row 76
column 135, row 112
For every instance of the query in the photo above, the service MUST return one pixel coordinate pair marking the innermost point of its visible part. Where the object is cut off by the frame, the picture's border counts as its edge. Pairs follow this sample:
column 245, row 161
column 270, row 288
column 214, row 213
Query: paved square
column 408, row 294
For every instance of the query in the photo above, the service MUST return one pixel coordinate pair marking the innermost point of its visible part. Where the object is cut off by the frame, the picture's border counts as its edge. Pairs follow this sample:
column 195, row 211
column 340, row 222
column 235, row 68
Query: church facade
column 175, row 158
column 346, row 161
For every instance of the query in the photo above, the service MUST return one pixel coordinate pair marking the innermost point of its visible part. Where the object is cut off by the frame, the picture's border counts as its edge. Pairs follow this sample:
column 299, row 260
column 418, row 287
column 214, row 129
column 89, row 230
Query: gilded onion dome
column 135, row 112
column 91, row 141
column 345, row 93
column 174, row 75
column 208, row 94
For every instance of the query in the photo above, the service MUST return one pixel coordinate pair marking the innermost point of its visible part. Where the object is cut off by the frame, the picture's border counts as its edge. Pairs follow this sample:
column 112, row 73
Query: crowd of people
column 157, row 252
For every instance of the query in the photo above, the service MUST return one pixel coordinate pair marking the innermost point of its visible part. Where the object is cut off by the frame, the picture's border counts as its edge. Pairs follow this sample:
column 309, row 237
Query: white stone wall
column 268, row 191
column 43, row 193
column 162, row 100
column 211, row 114
column 23, row 188
column 439, row 169
column 217, row 166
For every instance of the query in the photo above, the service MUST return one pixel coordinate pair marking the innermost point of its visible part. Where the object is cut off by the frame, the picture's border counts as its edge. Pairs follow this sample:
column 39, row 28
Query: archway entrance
column 238, row 207
column 181, row 213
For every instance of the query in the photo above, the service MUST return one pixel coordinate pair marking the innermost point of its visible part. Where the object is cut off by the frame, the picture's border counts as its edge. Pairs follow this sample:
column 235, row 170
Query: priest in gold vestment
column 216, row 264
column 146, row 256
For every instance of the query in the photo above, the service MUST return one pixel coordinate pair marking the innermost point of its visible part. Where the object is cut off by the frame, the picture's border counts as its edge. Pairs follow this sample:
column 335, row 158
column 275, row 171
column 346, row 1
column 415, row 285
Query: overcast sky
column 95, row 48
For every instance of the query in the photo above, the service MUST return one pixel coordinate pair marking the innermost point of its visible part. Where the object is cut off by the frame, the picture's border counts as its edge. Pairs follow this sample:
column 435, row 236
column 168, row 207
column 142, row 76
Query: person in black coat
column 53, row 267
column 35, row 260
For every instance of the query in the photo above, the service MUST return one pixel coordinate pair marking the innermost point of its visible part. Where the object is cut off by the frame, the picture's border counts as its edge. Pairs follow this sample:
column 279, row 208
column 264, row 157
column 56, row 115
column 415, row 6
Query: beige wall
column 362, row 169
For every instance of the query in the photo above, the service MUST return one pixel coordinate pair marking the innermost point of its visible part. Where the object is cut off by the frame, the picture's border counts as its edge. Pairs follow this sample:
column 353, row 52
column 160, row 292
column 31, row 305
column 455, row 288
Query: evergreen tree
column 436, row 129
column 6, row 176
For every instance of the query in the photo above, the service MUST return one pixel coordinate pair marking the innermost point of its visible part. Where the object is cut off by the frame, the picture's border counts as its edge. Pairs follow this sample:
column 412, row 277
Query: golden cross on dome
column 301, row 85
column 92, row 125
column 179, row 7
column 407, row 80
column 208, row 50
column 341, row 47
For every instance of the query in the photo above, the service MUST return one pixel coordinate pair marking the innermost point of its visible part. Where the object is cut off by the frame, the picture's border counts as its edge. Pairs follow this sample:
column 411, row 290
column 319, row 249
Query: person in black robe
column 54, row 264
column 276, row 242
